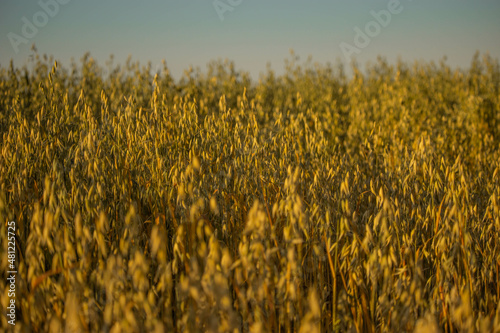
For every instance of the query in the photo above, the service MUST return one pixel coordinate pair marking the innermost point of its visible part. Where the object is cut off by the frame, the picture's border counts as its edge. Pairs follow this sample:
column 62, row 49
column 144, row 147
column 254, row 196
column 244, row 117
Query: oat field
column 309, row 201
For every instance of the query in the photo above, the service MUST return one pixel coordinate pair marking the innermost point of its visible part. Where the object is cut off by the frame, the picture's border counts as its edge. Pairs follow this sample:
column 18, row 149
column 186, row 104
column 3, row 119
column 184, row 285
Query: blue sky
column 251, row 32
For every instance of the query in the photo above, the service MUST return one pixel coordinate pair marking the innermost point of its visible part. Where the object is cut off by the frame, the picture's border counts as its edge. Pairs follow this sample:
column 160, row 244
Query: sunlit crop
column 311, row 201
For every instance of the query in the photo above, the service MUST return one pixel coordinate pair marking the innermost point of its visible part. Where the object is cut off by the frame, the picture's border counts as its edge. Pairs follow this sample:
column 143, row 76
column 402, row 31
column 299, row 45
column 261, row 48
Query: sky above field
column 252, row 33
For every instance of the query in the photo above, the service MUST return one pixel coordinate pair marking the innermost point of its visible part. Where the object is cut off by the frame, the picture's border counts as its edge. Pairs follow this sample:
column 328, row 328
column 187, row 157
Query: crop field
column 322, row 199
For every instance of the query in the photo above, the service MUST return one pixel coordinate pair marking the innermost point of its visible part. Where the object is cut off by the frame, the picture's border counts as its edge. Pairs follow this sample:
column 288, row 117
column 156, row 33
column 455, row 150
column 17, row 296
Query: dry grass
column 305, row 202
